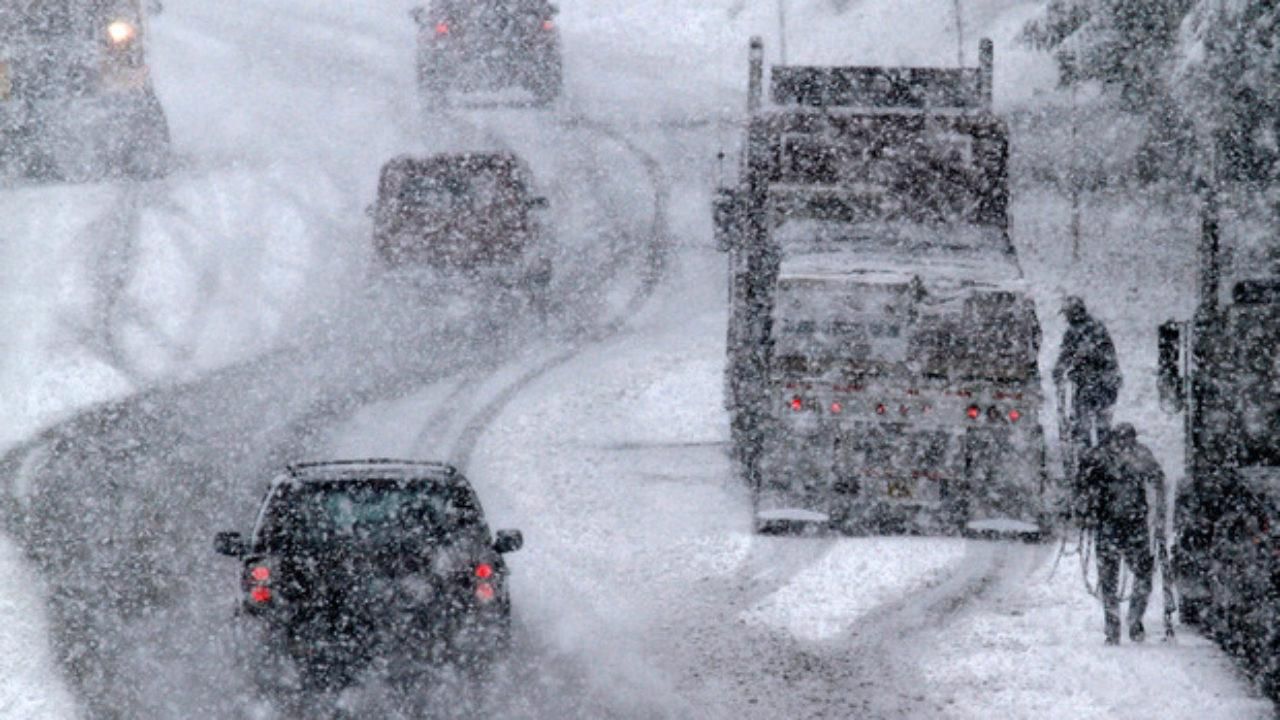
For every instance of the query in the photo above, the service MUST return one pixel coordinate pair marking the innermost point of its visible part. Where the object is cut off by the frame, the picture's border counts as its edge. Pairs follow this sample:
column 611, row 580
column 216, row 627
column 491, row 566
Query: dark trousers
column 1130, row 545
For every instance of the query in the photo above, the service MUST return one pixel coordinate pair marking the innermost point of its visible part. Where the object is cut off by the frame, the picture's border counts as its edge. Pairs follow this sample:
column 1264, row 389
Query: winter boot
column 1137, row 633
column 1113, row 631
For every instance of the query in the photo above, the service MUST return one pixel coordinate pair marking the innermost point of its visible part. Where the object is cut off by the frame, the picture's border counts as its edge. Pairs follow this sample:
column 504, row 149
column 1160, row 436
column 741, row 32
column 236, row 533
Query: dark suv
column 471, row 213
column 76, row 100
column 356, row 565
column 488, row 45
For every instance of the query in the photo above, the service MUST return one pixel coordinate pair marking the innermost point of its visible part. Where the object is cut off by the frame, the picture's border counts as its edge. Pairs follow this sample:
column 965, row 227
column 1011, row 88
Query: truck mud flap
column 792, row 521
column 1004, row 529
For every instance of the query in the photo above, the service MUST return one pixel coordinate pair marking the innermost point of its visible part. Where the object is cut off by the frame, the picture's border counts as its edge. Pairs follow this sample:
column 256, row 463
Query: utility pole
column 1073, row 181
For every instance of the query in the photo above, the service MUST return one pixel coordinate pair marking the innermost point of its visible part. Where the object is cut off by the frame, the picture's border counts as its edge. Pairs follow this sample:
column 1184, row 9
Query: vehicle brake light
column 260, row 574
column 836, row 408
column 442, row 28
column 260, row 594
column 548, row 25
column 1014, row 415
column 484, row 571
column 973, row 412
column 484, row 592
column 797, row 403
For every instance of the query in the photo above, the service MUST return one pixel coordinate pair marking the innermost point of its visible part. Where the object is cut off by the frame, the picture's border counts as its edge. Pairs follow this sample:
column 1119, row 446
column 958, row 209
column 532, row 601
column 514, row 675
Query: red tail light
column 797, row 403
column 973, row 411
column 484, row 571
column 1014, row 415
column 548, row 25
column 484, row 592
column 836, row 408
column 257, row 582
column 442, row 28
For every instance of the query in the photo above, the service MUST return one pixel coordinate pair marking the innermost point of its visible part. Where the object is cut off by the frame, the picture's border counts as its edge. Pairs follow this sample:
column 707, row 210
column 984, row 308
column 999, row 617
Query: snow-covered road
column 235, row 296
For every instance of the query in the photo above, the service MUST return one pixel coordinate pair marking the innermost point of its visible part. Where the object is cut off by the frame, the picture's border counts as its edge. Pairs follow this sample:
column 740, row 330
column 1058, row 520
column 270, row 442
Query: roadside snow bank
column 856, row 576
column 32, row 687
column 1038, row 653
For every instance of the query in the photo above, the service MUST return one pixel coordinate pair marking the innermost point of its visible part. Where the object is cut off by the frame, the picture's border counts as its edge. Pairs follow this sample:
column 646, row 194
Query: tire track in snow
column 656, row 248
column 867, row 672
column 115, row 233
column 540, row 681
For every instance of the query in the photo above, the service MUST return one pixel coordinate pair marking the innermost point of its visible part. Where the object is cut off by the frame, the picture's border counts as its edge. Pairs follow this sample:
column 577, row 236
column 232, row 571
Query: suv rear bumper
column 485, row 68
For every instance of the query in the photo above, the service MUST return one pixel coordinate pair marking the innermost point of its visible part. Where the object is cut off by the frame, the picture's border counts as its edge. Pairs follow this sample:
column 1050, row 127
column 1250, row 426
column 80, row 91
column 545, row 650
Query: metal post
column 755, row 74
column 986, row 69
column 1210, row 271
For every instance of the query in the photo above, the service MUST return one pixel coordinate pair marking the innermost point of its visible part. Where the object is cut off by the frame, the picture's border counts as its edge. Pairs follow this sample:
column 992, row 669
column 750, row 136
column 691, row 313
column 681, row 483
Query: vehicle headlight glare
column 121, row 32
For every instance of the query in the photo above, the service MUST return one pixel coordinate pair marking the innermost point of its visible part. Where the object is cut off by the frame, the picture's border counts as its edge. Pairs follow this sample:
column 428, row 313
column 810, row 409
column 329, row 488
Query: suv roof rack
column 298, row 469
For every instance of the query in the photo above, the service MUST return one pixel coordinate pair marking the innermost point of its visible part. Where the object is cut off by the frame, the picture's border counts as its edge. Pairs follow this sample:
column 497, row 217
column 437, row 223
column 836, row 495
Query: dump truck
column 882, row 346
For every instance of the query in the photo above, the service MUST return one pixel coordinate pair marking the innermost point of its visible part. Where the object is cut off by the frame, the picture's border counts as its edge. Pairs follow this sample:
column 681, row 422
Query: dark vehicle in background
column 1222, row 370
column 76, row 99
column 462, row 213
column 469, row 45
column 372, row 564
column 882, row 341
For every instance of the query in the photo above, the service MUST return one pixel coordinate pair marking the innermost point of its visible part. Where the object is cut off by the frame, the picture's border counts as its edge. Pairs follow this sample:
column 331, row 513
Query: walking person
column 1088, row 362
column 1122, row 491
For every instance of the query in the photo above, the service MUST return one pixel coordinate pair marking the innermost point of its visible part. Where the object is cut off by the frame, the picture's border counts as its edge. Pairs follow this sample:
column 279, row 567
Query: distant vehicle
column 355, row 562
column 468, row 45
column 76, row 99
column 469, row 213
column 882, row 344
column 1222, row 370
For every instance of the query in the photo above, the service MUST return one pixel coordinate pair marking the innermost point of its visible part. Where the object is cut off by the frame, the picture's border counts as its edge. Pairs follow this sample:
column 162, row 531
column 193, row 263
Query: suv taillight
column 257, row 582
column 442, row 29
column 485, row 591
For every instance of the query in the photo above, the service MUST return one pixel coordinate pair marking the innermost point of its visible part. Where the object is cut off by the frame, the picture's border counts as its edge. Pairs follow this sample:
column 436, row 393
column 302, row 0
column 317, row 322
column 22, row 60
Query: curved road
column 116, row 506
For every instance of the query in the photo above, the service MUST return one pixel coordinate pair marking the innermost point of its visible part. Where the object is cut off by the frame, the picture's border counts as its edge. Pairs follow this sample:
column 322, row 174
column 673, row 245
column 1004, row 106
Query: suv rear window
column 456, row 191
column 367, row 511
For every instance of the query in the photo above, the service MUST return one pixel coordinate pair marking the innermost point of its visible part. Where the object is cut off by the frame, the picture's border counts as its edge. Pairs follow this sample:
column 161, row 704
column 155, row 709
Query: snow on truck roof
column 894, row 253
column 899, row 88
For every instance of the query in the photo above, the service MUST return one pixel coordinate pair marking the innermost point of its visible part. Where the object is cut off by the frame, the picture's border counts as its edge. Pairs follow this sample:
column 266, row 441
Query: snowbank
column 1037, row 652
column 829, row 598
column 32, row 687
